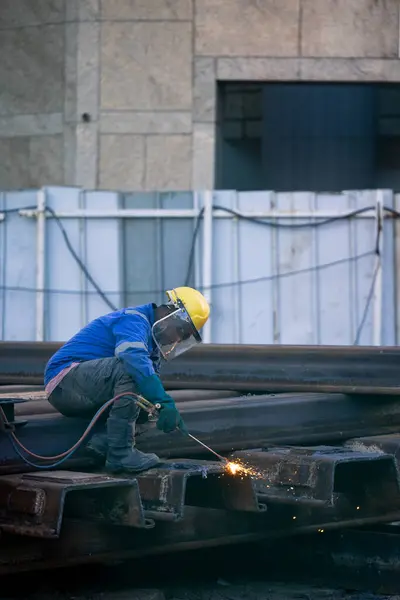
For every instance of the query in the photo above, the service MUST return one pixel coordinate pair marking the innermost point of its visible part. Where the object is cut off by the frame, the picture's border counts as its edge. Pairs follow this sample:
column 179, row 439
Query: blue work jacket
column 125, row 333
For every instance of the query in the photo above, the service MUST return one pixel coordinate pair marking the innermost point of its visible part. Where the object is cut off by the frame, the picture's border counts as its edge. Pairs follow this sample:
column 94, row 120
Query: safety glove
column 169, row 418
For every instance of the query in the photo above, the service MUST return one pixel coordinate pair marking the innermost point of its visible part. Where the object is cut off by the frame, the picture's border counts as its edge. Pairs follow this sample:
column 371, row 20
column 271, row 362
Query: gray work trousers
column 90, row 384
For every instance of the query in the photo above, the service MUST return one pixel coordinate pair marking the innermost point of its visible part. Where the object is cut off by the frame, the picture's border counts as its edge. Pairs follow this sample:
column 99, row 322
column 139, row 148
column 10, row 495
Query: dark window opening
column 308, row 136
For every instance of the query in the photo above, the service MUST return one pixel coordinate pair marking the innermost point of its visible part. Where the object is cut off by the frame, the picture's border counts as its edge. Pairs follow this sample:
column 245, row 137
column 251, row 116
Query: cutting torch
column 153, row 410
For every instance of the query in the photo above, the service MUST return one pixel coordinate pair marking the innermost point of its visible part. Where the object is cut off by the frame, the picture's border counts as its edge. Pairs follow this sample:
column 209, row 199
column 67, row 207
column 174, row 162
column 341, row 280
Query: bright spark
column 238, row 468
column 234, row 467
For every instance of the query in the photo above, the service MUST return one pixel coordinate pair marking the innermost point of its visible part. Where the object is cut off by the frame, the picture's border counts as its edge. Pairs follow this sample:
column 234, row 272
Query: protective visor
column 175, row 333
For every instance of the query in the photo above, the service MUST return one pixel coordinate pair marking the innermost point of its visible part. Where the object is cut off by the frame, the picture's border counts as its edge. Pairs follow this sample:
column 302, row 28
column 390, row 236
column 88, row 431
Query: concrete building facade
column 123, row 94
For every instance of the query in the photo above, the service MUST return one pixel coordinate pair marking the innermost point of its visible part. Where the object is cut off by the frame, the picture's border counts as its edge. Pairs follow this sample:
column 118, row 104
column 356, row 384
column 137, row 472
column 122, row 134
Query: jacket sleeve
column 131, row 334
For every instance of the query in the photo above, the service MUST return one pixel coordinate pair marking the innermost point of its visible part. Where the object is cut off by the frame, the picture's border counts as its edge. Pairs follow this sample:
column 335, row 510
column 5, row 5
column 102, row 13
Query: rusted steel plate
column 34, row 504
column 324, row 475
column 82, row 542
column 168, row 489
column 389, row 444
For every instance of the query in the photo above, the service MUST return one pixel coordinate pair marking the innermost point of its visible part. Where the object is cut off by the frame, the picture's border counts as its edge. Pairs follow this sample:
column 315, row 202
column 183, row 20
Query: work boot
column 121, row 454
column 97, row 446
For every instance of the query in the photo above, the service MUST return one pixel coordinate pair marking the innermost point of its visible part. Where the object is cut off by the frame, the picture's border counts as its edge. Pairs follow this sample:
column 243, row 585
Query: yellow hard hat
column 194, row 303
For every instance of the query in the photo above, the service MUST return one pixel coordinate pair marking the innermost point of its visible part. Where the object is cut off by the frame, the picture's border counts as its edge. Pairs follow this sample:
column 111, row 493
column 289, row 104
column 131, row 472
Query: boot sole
column 122, row 469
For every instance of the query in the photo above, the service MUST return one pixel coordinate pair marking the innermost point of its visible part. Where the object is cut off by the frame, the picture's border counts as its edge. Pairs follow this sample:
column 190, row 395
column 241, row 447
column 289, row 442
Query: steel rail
column 83, row 542
column 275, row 368
column 263, row 368
column 36, row 403
column 225, row 425
column 326, row 498
column 23, row 363
column 327, row 481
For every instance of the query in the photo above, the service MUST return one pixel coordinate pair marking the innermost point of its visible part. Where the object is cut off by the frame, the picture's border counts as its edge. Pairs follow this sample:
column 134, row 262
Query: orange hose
column 85, row 433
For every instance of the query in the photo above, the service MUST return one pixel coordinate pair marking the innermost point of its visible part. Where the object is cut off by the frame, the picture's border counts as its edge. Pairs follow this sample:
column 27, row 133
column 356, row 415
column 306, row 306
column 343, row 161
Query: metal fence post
column 378, row 287
column 207, row 258
column 40, row 263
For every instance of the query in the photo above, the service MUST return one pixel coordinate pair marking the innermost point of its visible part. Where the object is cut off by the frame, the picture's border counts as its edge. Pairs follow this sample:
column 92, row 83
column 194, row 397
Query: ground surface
column 252, row 572
column 223, row 591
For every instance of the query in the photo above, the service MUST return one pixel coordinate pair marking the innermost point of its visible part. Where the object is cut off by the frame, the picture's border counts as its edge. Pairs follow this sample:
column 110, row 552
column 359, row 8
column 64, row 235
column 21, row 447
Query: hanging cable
column 378, row 266
column 392, row 211
column 63, row 456
column 275, row 225
column 78, row 260
column 6, row 211
column 258, row 221
column 263, row 222
column 367, row 304
column 240, row 282
column 193, row 247
column 267, row 223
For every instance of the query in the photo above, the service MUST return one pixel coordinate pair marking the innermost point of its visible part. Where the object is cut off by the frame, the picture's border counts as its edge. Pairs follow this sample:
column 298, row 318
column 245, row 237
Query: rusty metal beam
column 23, row 363
column 168, row 489
column 344, row 369
column 251, row 421
column 390, row 444
column 34, row 401
column 324, row 476
column 310, row 485
column 34, row 504
column 226, row 425
column 279, row 368
column 82, row 542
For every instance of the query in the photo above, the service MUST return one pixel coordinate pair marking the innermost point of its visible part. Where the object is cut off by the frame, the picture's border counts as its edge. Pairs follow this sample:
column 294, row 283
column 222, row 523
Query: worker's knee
column 71, row 405
column 125, row 408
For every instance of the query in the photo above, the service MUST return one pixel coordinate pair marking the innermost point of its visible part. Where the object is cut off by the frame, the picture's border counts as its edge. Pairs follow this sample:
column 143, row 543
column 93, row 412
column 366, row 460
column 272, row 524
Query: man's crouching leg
column 98, row 446
column 121, row 452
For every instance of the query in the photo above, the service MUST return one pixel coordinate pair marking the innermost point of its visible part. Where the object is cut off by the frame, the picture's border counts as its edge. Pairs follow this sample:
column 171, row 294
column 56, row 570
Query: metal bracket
column 34, row 504
column 166, row 490
column 30, row 213
column 8, row 406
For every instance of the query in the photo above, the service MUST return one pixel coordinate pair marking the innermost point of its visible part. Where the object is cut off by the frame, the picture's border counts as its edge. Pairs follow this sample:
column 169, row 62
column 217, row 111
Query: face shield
column 175, row 333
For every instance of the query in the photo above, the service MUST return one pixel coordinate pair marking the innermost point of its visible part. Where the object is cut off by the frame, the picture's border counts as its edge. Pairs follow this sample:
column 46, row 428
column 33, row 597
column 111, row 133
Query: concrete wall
column 31, row 92
column 144, row 72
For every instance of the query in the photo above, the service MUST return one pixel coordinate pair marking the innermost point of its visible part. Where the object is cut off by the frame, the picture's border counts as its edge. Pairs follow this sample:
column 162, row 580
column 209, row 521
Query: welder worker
column 121, row 352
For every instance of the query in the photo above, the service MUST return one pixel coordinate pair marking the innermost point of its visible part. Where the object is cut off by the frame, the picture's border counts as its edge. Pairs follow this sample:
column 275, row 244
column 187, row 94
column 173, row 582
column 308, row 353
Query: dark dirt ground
column 232, row 573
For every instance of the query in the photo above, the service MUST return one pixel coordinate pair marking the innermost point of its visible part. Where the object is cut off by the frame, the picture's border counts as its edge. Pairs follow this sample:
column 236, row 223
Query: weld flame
column 238, row 468
column 234, row 467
